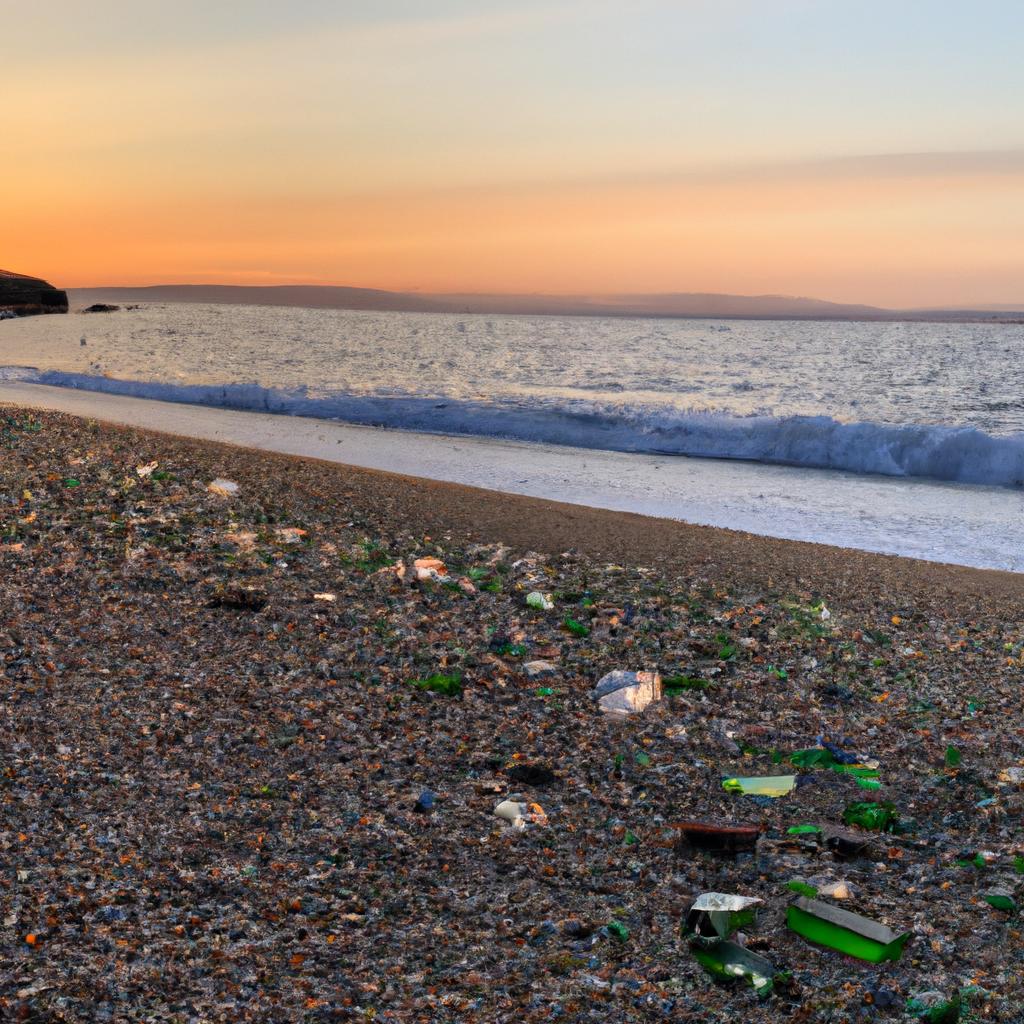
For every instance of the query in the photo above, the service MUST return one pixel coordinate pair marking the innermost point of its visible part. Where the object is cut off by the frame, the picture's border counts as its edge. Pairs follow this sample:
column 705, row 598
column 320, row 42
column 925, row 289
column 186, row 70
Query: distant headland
column 27, row 296
column 675, row 304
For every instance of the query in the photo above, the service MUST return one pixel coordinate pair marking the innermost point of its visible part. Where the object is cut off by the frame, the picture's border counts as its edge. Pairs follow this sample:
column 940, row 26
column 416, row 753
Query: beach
column 253, row 751
column 512, row 514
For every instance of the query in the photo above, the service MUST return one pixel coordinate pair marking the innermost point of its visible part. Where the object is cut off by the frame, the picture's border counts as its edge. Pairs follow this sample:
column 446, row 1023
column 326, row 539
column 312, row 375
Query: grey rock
column 538, row 669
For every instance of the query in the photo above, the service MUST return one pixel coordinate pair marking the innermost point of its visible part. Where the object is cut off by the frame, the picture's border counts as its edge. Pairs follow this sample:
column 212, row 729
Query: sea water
column 944, row 401
column 928, row 402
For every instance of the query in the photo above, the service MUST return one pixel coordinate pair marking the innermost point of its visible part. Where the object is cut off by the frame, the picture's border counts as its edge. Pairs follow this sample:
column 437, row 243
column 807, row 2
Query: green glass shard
column 512, row 650
column 873, row 816
column 943, row 1011
column 804, row 830
column 976, row 861
column 872, row 784
column 812, row 757
column 1001, row 901
column 858, row 771
column 844, row 931
column 575, row 627
column 770, row 785
column 802, row 889
column 866, row 776
column 450, row 686
column 729, row 961
column 953, row 757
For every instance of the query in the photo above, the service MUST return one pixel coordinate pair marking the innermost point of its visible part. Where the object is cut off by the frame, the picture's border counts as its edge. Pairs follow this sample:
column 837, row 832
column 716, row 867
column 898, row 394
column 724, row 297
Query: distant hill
column 309, row 296
column 679, row 304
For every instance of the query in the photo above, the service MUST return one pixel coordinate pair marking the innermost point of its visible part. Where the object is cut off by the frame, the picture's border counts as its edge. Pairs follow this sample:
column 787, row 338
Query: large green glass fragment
column 845, row 931
column 729, row 961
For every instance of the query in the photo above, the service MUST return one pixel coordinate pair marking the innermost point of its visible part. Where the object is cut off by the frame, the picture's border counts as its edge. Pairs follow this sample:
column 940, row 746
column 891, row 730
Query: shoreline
column 530, row 522
column 938, row 522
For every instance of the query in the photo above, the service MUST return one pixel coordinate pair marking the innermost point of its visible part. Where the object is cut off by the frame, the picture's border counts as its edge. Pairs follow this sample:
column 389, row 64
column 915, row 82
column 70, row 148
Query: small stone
column 883, row 998
column 289, row 534
column 519, row 814
column 424, row 802
column 623, row 693
column 835, row 890
column 539, row 669
column 542, row 602
column 431, row 569
column 225, row 488
column 615, row 680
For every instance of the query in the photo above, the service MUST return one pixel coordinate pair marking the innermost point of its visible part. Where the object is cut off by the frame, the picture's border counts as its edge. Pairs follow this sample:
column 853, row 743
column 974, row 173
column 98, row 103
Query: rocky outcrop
column 25, row 296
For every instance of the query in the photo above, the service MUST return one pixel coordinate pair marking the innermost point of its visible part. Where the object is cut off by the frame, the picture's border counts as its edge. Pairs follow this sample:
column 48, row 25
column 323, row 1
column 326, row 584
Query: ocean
column 939, row 401
column 906, row 438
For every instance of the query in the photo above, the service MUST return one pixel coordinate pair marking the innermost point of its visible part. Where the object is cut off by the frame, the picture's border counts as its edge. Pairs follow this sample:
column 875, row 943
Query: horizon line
column 964, row 306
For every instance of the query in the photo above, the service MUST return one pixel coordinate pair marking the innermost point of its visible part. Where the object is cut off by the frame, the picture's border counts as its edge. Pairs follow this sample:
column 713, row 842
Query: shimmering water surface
column 935, row 400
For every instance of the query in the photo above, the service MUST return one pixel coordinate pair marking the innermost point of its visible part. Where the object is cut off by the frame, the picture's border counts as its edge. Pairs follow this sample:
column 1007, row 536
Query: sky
column 855, row 151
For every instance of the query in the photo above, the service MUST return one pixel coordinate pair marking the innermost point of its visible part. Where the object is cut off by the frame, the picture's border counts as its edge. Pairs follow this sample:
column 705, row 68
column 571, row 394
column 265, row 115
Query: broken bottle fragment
column 872, row 816
column 863, row 770
column 844, row 931
column 709, row 835
column 729, row 961
column 935, row 1008
column 718, row 915
column 1000, row 899
column 804, row 830
column 770, row 785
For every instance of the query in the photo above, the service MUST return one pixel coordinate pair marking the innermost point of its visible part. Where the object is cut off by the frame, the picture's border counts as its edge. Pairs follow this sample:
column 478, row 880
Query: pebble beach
column 259, row 712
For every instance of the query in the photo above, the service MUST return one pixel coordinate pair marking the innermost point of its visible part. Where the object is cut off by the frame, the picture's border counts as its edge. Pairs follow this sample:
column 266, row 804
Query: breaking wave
column 961, row 454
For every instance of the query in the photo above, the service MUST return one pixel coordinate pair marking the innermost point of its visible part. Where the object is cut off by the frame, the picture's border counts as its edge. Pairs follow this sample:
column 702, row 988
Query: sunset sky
column 856, row 151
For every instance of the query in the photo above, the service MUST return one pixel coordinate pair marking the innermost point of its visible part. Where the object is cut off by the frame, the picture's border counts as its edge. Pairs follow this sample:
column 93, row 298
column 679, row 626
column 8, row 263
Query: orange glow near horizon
column 560, row 147
column 886, row 241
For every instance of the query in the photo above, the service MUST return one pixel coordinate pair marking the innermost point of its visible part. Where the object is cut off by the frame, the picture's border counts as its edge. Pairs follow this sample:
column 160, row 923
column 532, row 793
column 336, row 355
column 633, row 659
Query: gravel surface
column 250, row 752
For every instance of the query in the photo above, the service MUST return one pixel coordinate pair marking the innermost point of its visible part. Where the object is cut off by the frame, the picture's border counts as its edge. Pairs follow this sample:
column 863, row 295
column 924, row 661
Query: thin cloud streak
column 870, row 167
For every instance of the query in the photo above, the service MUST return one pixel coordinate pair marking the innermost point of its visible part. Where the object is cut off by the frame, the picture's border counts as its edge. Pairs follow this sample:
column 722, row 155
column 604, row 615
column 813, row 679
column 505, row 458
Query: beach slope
column 252, row 750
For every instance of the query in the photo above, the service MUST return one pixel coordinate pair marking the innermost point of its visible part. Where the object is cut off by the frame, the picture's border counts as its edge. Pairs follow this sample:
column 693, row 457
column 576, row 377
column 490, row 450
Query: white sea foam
column 961, row 454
